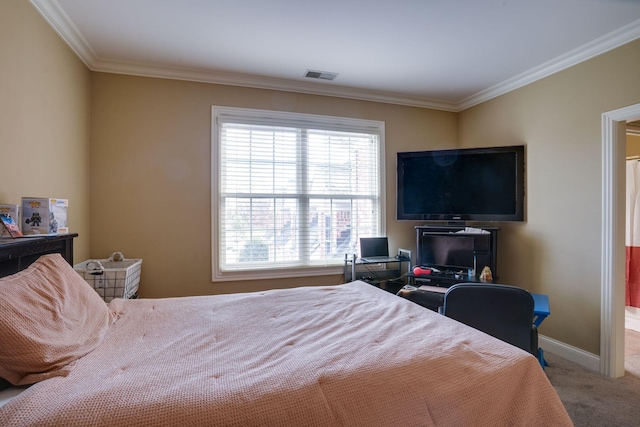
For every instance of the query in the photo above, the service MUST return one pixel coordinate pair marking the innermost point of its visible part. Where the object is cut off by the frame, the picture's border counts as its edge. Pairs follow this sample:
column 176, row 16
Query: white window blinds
column 293, row 191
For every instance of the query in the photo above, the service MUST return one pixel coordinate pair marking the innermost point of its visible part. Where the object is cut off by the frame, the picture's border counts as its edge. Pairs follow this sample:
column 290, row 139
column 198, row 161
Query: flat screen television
column 473, row 184
column 447, row 251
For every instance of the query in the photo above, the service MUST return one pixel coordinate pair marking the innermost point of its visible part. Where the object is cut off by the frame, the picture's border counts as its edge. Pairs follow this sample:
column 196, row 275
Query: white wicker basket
column 112, row 279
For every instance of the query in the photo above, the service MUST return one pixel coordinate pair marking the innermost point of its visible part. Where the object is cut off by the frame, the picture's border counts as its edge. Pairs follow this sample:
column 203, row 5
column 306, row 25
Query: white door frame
column 613, row 252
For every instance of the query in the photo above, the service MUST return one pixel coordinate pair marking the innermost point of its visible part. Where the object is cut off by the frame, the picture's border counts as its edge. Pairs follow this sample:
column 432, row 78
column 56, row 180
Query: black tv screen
column 447, row 250
column 474, row 184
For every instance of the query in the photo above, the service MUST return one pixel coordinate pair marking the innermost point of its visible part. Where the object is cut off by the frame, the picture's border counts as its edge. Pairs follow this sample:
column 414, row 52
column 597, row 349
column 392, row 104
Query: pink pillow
column 49, row 317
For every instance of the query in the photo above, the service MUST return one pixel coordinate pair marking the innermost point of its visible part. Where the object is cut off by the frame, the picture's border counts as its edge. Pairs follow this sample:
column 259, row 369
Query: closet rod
column 633, row 158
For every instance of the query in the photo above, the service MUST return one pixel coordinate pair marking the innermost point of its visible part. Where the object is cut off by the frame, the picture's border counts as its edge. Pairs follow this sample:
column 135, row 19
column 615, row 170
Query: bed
column 345, row 355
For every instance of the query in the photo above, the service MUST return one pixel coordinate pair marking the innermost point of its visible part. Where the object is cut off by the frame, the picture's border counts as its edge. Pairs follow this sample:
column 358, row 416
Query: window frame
column 291, row 119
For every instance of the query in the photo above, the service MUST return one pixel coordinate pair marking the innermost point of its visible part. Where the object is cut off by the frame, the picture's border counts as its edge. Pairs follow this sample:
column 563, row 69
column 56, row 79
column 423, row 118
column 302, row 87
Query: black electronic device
column 448, row 251
column 374, row 248
column 473, row 184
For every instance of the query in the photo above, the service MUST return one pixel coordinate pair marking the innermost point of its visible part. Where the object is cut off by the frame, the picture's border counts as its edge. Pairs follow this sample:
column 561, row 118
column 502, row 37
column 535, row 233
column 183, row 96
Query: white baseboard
column 573, row 354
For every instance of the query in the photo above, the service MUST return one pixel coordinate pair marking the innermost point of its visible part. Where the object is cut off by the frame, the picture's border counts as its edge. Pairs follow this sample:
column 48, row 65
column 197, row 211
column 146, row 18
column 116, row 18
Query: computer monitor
column 374, row 247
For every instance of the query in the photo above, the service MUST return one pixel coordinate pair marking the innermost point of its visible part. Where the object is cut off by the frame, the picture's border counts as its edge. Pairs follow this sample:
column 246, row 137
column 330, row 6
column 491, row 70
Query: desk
column 371, row 273
column 432, row 297
column 540, row 312
column 440, row 279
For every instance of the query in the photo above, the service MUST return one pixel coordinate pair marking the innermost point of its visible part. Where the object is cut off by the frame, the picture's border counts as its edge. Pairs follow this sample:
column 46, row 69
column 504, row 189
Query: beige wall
column 557, row 250
column 150, row 172
column 44, row 117
column 633, row 145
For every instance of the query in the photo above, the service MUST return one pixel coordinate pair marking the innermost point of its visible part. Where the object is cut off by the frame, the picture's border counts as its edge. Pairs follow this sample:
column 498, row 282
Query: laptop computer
column 374, row 249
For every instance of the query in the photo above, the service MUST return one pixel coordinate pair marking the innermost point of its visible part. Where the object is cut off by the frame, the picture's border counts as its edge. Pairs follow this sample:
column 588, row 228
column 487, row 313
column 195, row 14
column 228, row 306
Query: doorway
column 632, row 242
column 612, row 324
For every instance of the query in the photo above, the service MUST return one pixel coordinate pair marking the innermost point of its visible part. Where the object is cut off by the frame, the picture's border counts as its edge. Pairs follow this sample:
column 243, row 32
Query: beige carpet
column 632, row 365
column 591, row 399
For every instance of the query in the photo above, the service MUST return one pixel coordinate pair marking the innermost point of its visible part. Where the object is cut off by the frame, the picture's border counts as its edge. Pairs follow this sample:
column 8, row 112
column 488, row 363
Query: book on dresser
column 9, row 227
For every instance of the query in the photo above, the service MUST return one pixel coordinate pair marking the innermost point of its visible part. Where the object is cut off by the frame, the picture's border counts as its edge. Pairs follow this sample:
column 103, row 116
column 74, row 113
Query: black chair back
column 505, row 312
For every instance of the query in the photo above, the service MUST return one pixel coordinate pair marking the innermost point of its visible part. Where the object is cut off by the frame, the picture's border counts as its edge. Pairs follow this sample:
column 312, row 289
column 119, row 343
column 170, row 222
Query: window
column 292, row 193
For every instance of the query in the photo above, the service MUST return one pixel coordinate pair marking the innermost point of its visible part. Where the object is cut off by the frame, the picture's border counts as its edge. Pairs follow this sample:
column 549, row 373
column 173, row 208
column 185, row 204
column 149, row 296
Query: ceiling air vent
column 322, row 75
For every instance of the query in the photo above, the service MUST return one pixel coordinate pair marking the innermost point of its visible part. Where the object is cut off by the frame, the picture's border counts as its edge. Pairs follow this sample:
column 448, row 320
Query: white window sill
column 271, row 273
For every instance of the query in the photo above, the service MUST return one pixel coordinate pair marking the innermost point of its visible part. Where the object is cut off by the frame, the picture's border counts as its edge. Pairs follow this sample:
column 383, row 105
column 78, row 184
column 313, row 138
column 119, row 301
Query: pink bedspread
column 347, row 355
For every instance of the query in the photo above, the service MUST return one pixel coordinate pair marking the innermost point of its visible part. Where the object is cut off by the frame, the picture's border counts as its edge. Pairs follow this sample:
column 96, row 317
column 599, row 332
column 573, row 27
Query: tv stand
column 454, row 224
column 485, row 249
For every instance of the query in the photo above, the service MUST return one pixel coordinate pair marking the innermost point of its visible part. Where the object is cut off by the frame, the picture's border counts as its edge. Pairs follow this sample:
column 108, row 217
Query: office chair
column 505, row 312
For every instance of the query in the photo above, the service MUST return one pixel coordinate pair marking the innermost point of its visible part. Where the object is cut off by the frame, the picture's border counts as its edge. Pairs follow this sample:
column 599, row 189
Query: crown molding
column 62, row 25
column 259, row 82
column 60, row 22
column 597, row 47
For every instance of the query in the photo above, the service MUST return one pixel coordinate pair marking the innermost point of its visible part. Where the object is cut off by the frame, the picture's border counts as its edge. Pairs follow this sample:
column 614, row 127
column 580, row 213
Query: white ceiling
column 445, row 54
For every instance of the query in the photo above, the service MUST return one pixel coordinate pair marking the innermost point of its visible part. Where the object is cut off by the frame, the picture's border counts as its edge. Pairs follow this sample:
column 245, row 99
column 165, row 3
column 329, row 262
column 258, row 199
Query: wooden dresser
column 17, row 254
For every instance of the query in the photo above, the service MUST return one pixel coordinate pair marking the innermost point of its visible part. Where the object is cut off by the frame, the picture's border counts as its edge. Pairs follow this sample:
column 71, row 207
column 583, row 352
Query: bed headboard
column 17, row 254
